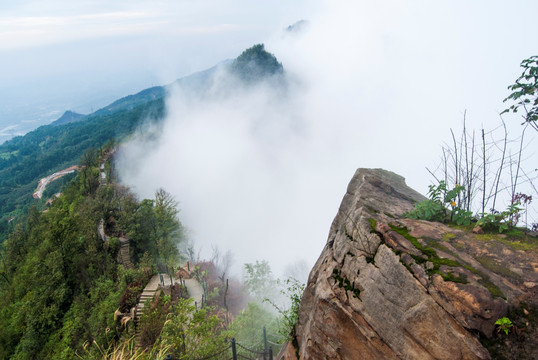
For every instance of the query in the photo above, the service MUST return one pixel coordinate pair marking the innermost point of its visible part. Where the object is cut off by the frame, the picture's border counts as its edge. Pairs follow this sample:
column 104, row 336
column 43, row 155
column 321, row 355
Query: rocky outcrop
column 387, row 287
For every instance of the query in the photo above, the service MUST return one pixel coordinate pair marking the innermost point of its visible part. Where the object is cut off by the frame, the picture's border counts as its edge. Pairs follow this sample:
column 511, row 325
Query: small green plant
column 436, row 207
column 499, row 221
column 441, row 199
column 428, row 210
column 492, row 221
column 461, row 216
column 504, row 324
column 431, row 209
column 290, row 316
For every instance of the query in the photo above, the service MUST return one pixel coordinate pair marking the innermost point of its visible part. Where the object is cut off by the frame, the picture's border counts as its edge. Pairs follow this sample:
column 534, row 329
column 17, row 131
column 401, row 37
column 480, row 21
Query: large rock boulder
column 387, row 287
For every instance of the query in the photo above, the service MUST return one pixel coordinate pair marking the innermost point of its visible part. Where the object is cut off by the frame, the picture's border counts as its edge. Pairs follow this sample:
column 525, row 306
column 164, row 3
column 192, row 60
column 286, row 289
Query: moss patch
column 371, row 210
column 435, row 244
column 514, row 239
column 492, row 265
column 492, row 288
column 459, row 245
column 373, row 222
column 344, row 283
column 486, row 282
column 465, row 228
column 515, row 233
column 437, row 261
column 457, row 278
column 526, row 243
column 428, row 251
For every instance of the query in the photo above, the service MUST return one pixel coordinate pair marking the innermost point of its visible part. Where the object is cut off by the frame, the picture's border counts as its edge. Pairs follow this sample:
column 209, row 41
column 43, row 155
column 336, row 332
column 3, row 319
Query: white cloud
column 23, row 32
column 375, row 85
column 9, row 131
column 47, row 22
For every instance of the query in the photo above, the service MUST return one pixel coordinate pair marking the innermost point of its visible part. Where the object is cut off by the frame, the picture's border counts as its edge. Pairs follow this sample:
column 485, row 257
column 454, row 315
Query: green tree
column 259, row 280
column 293, row 291
column 169, row 231
column 247, row 327
column 192, row 333
column 525, row 92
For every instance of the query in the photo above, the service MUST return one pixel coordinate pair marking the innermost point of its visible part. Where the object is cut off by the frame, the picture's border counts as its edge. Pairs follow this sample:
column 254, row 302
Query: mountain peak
column 256, row 63
column 68, row 117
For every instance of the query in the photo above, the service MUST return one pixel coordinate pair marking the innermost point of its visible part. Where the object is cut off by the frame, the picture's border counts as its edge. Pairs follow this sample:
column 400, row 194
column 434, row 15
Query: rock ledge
column 387, row 287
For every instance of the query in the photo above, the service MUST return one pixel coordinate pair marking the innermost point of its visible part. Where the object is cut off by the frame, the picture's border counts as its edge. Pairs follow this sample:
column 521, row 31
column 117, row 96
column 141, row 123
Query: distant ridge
column 26, row 159
column 195, row 83
column 68, row 117
column 251, row 66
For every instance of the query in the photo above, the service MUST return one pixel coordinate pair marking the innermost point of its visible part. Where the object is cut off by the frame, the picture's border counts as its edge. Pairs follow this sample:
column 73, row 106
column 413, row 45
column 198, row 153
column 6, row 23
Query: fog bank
column 261, row 170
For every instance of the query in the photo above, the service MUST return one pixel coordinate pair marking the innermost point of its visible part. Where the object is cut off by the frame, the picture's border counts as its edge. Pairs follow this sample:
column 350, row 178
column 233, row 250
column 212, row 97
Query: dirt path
column 38, row 193
column 195, row 291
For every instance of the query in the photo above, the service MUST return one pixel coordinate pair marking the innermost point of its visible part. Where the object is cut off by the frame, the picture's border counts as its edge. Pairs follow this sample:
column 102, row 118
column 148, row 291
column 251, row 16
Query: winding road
column 38, row 193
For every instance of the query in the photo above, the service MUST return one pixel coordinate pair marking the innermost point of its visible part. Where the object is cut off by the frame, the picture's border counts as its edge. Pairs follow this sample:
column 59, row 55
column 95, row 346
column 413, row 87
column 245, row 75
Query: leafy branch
column 525, row 92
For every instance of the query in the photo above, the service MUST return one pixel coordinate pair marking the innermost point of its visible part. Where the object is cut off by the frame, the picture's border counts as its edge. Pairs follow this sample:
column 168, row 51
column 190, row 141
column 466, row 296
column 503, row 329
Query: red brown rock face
column 377, row 294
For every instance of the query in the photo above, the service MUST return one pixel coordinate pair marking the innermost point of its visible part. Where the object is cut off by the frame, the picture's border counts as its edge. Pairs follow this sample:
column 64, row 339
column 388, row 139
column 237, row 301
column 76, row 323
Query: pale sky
column 57, row 55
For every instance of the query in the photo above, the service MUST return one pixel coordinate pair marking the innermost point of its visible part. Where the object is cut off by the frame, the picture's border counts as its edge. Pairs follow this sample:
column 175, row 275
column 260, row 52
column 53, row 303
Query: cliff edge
column 388, row 287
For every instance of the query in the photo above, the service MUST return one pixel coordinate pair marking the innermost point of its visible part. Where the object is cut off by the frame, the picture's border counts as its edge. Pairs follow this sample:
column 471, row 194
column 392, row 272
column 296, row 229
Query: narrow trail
column 124, row 254
column 195, row 290
column 147, row 294
column 102, row 173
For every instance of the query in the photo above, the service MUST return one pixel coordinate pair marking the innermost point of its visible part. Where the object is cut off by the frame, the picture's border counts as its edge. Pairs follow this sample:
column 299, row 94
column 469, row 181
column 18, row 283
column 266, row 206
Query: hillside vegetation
column 68, row 288
column 24, row 160
column 60, row 283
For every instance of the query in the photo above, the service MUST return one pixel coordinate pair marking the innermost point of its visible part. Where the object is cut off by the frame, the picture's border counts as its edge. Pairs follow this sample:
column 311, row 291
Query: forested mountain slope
column 26, row 159
column 60, row 282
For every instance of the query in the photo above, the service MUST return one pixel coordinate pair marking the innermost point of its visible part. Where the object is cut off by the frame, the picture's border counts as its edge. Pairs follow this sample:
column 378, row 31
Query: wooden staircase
column 147, row 294
column 124, row 256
